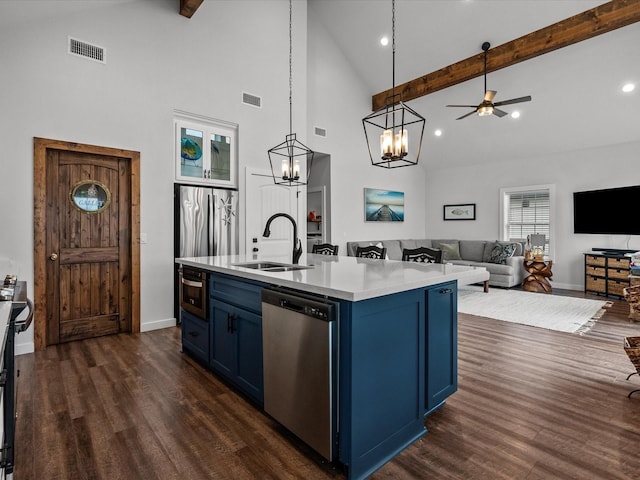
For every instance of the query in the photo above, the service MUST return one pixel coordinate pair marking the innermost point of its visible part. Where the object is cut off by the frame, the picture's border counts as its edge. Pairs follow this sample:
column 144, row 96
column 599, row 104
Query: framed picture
column 383, row 205
column 462, row 211
column 206, row 151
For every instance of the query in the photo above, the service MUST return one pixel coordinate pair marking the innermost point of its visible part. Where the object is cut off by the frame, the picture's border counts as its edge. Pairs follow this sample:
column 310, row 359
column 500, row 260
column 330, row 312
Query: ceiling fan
column 488, row 107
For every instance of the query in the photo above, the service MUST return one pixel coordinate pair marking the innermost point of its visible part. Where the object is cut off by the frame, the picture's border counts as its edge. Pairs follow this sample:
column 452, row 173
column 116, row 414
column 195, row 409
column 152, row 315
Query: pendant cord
column 290, row 70
column 393, row 50
column 485, row 72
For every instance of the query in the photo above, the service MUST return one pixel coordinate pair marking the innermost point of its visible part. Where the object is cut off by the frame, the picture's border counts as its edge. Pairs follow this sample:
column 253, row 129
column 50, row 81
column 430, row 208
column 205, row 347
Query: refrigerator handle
column 210, row 224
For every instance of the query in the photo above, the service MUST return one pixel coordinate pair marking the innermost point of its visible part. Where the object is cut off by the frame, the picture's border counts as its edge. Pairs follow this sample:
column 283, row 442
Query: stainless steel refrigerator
column 205, row 224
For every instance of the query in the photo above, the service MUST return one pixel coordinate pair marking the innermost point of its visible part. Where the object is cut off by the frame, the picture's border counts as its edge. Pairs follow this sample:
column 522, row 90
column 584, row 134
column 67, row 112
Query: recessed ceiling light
column 384, row 41
column 438, row 133
column 515, row 114
column 629, row 87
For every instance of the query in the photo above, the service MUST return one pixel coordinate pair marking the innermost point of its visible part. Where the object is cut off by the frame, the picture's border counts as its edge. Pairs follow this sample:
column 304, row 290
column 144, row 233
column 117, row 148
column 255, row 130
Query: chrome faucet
column 297, row 244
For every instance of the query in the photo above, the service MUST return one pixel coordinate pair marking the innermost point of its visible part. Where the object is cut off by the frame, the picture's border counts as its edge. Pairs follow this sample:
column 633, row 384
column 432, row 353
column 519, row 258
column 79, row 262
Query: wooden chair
column 422, row 255
column 371, row 252
column 324, row 249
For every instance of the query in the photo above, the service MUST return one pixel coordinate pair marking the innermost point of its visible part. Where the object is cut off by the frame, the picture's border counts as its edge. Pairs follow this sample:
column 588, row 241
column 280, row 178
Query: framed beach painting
column 462, row 211
column 383, row 205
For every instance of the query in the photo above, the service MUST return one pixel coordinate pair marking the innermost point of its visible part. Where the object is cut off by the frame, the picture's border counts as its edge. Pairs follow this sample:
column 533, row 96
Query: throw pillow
column 502, row 251
column 450, row 251
column 486, row 254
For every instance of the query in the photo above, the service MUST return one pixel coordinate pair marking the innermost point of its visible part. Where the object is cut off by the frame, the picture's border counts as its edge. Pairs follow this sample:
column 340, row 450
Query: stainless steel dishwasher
column 299, row 343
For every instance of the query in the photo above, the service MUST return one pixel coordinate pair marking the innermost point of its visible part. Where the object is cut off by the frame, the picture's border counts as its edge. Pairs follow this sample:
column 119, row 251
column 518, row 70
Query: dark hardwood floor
column 532, row 404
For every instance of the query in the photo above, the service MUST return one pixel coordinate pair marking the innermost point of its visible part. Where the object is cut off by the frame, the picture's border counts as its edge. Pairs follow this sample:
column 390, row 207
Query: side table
column 539, row 275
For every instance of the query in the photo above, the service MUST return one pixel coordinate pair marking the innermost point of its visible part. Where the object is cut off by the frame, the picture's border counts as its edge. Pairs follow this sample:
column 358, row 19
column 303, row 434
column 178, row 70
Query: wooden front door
column 86, row 241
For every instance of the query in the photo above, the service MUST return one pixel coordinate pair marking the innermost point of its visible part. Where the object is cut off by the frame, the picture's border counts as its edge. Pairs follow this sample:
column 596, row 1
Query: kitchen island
column 395, row 349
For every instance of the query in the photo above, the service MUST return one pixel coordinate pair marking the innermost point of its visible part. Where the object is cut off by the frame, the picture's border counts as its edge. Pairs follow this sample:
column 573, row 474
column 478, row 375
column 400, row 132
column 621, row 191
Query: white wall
column 157, row 61
column 338, row 100
column 606, row 167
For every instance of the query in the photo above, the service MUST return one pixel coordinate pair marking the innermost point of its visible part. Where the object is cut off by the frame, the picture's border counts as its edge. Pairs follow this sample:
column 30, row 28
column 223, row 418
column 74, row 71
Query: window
column 527, row 211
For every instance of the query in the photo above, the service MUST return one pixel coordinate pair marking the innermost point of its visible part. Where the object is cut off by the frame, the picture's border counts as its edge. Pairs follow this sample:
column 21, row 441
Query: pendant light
column 393, row 124
column 285, row 158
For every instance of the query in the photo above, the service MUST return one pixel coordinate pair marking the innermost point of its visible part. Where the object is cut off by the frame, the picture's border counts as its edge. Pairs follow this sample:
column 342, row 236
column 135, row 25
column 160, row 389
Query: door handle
column 53, row 257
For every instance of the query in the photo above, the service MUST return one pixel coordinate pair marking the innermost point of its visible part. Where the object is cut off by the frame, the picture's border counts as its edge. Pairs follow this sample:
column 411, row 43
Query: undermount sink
column 272, row 266
column 286, row 268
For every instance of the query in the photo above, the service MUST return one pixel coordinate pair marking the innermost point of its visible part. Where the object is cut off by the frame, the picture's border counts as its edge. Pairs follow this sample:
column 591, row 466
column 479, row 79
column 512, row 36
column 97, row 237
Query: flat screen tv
column 609, row 211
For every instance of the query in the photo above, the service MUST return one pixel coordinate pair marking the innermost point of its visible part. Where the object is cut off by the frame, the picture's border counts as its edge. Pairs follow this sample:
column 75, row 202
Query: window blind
column 528, row 212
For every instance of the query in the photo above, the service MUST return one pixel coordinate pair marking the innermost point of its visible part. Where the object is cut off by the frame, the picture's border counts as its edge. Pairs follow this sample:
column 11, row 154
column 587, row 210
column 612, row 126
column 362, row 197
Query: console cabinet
column 606, row 273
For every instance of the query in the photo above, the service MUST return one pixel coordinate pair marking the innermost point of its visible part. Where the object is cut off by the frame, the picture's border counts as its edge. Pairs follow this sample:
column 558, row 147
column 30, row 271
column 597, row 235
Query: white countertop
column 347, row 278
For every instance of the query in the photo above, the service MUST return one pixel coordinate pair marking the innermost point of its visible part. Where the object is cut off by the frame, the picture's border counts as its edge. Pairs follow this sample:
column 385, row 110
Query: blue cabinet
column 195, row 336
column 441, row 344
column 237, row 347
column 382, row 371
column 236, row 333
column 398, row 363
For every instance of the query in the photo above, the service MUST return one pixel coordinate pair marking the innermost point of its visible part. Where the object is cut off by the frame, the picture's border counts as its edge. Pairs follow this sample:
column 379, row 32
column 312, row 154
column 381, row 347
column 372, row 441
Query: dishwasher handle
column 304, row 304
column 286, row 303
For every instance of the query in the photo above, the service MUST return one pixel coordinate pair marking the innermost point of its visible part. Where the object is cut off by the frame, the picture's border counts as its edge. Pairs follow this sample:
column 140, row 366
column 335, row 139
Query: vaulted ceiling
column 577, row 102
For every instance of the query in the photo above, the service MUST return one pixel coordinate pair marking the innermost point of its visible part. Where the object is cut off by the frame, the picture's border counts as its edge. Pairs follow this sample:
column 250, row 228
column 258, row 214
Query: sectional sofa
column 503, row 260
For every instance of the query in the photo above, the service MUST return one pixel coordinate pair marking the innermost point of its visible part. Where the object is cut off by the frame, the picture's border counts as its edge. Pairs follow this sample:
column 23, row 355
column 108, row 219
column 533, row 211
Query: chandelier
column 397, row 122
column 285, row 158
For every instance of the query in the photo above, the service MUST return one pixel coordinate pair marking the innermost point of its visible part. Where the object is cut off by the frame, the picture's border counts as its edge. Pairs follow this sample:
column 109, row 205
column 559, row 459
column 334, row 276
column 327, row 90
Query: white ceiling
column 577, row 102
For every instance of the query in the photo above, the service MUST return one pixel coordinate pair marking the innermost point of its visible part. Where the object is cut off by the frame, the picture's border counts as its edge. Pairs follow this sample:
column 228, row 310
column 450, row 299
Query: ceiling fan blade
column 466, row 106
column 498, row 112
column 466, row 115
column 488, row 96
column 513, row 100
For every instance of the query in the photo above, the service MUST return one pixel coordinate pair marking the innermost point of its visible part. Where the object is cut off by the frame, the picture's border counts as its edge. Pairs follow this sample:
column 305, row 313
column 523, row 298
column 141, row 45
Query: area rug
column 553, row 312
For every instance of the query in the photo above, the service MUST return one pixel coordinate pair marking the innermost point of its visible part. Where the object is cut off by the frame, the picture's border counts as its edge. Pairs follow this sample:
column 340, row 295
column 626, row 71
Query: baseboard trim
column 157, row 324
column 24, row 348
column 567, row 286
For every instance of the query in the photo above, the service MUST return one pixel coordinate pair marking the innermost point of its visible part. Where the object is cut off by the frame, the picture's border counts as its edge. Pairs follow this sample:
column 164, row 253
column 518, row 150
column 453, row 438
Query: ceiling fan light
column 485, row 110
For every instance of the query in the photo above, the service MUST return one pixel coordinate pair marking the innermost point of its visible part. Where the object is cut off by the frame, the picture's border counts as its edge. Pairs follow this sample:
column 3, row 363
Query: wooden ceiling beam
column 189, row 7
column 601, row 19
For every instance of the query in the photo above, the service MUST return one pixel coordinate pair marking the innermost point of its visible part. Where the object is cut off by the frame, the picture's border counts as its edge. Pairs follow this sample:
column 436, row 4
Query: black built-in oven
column 193, row 291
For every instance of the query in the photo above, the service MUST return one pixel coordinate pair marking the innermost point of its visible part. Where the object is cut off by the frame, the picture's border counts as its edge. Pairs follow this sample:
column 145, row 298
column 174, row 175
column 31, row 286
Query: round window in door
column 90, row 196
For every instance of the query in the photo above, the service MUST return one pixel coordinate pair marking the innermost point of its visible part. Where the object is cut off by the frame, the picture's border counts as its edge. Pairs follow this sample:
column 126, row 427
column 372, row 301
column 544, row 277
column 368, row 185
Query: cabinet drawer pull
column 446, row 291
column 194, row 334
